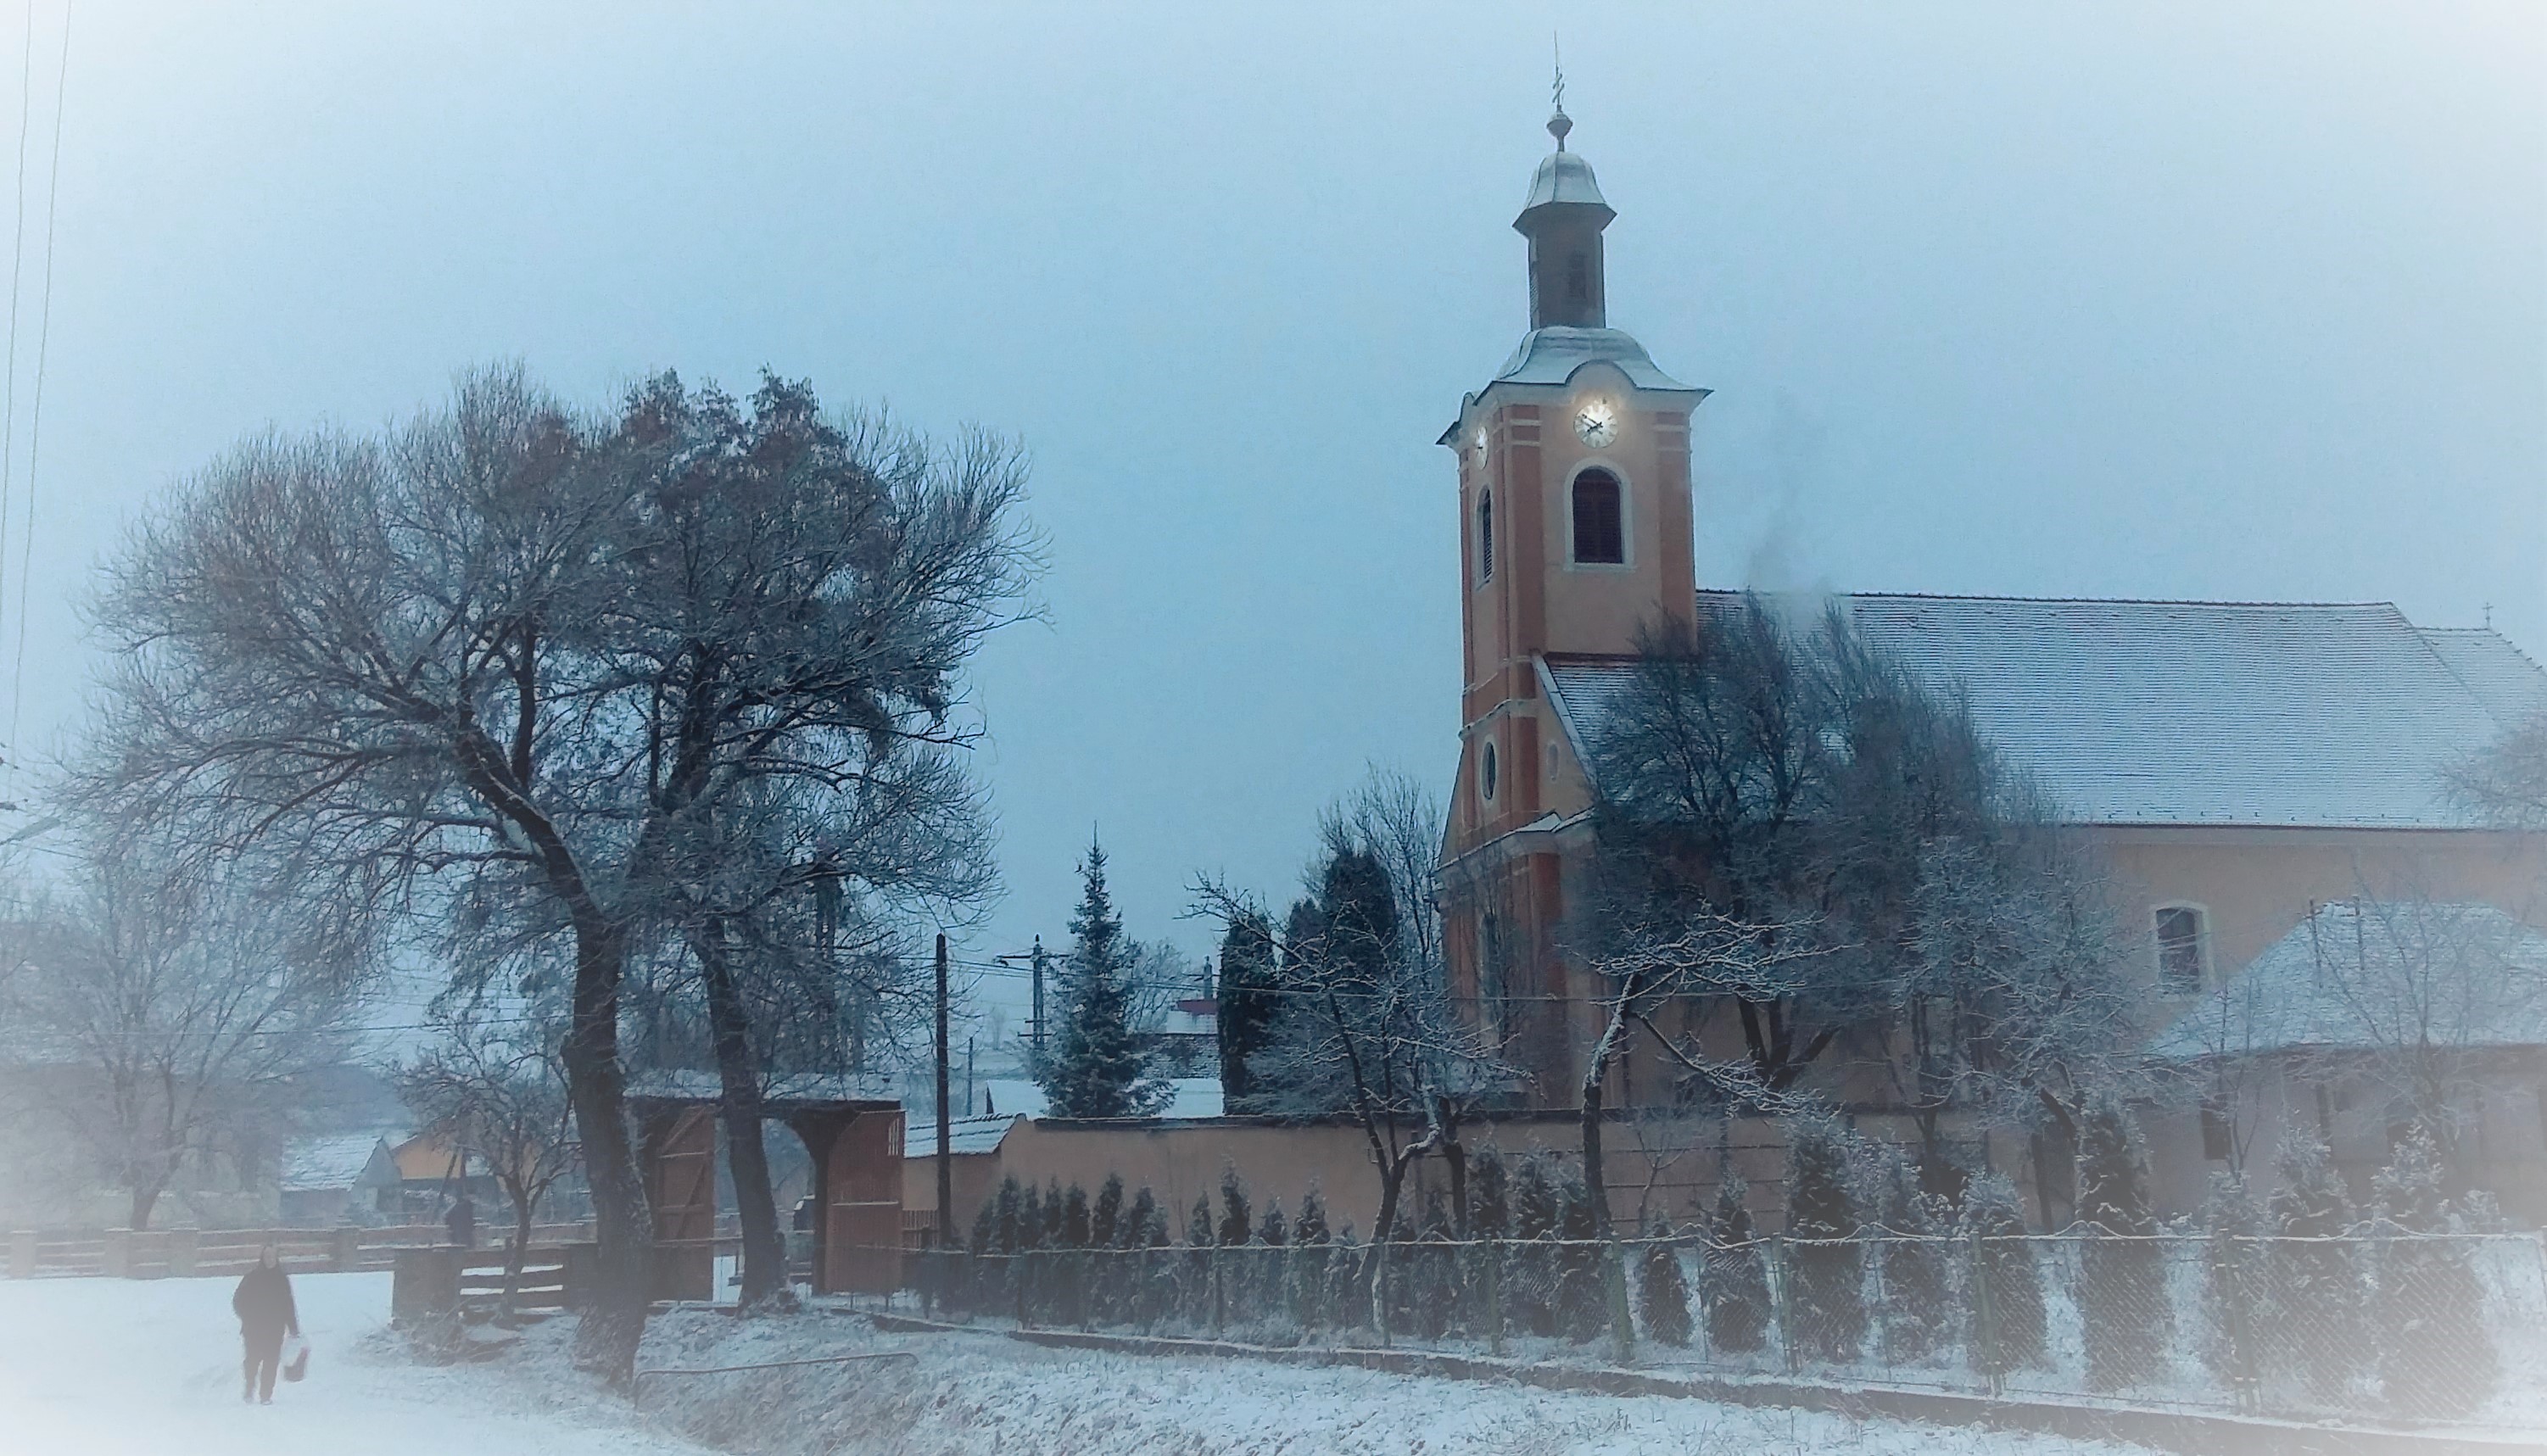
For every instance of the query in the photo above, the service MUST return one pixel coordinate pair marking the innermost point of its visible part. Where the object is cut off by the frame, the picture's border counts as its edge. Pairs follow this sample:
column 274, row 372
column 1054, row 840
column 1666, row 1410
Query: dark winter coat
column 263, row 1303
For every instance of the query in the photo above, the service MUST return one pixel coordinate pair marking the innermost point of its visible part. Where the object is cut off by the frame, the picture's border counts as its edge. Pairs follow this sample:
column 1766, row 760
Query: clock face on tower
column 1597, row 424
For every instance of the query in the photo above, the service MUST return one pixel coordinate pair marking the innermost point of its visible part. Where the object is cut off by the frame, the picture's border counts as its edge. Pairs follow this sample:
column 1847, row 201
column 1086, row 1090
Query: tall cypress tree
column 1096, row 1067
column 2123, row 1312
column 2314, row 1293
column 1827, row 1310
column 1246, row 996
column 1734, row 1280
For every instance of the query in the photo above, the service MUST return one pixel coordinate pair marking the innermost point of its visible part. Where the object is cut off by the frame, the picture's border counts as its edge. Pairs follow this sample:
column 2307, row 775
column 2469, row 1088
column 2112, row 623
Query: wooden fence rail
column 160, row 1253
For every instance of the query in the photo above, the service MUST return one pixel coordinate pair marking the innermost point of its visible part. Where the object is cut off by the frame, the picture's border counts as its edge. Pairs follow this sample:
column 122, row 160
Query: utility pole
column 1039, row 1005
column 968, row 1076
column 945, row 1133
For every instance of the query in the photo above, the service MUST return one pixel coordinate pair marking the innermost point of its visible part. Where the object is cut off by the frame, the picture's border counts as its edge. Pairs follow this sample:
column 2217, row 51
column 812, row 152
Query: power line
column 17, row 271
column 35, row 415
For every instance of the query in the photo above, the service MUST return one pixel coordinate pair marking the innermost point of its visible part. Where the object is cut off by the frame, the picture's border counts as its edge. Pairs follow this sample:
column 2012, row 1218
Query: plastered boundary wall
column 1668, row 1169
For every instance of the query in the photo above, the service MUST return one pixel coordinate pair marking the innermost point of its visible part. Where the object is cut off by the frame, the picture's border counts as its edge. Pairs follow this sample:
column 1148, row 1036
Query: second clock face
column 1596, row 424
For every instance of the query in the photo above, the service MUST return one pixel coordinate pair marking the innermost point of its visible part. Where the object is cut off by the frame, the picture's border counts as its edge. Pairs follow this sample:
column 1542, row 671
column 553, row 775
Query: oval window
column 1486, row 772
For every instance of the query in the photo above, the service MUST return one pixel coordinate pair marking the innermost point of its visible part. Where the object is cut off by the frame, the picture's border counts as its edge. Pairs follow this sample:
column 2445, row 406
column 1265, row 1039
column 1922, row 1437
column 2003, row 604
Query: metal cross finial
column 1559, row 123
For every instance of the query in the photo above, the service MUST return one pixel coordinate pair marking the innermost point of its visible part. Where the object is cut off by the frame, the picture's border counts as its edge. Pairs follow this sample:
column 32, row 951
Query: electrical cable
column 17, row 271
column 36, row 414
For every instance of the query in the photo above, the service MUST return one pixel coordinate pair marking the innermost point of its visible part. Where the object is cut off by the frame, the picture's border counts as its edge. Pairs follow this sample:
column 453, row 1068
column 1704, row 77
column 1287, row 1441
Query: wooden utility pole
column 945, row 1130
column 1039, row 1005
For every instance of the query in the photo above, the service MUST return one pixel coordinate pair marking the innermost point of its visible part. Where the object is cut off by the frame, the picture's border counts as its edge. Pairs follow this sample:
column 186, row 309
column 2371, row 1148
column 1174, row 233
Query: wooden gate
column 863, row 1206
column 681, row 1147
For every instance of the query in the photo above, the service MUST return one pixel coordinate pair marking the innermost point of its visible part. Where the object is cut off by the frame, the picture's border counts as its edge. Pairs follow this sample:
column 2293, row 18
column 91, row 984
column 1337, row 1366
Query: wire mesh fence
column 2441, row 1329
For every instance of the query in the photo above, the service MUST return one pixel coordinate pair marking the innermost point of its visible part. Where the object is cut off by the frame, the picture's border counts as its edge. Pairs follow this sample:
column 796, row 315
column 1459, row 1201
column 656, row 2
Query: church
column 2244, row 770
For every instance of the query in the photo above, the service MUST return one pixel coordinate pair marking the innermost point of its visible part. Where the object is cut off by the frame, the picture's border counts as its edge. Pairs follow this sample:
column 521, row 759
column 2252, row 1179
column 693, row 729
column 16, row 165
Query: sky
column 2162, row 301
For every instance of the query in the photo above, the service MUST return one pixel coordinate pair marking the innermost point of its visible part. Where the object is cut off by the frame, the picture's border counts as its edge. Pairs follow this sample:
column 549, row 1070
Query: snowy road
column 112, row 1367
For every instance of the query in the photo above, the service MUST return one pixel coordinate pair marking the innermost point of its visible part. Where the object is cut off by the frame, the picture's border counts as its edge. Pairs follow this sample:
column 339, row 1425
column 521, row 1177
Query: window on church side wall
column 1486, row 773
column 1600, row 539
column 2180, row 951
column 1578, row 278
column 1485, row 536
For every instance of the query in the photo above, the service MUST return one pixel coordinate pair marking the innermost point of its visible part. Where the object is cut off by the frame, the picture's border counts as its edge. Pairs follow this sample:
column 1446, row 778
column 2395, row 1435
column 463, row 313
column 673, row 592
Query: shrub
column 1915, row 1265
column 2122, row 1309
column 1530, row 1271
column 2435, row 1355
column 2313, row 1319
column 1662, row 1289
column 1077, row 1230
column 1733, row 1279
column 2006, row 1290
column 1106, row 1219
column 1826, row 1307
column 1582, row 1308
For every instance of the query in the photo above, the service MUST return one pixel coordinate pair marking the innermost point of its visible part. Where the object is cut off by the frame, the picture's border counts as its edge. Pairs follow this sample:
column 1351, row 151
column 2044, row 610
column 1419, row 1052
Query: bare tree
column 2506, row 781
column 491, row 646
column 491, row 1082
column 185, row 1010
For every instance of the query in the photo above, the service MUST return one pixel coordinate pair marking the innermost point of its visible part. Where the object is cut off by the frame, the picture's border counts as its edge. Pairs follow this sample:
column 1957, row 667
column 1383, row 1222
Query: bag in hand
column 296, row 1358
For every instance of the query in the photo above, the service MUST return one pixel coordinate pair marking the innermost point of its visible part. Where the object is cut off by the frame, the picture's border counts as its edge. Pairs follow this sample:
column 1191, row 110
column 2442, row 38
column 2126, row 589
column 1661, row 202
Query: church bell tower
column 1575, row 537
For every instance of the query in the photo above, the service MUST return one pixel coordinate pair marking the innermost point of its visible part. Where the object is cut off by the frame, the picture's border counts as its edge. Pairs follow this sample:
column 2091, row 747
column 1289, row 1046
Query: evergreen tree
column 1247, row 995
column 1198, row 1225
column 1662, row 1289
column 2006, row 1288
column 1235, row 1226
column 1106, row 1219
column 2436, row 1358
column 1312, row 1228
column 2244, row 1319
column 1011, row 1203
column 1826, row 1310
column 2123, row 1308
column 1489, row 1200
column 1583, row 1310
column 985, row 1227
column 1915, row 1265
column 1030, row 1221
column 1272, row 1229
column 1342, row 1279
column 1433, row 1271
column 2315, row 1307
column 1076, row 1229
column 1096, row 1067
column 1052, row 1214
column 1735, row 1278
column 1529, row 1290
column 1134, row 1230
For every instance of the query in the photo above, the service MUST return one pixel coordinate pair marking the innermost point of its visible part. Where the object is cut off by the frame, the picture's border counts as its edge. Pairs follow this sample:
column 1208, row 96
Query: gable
column 2188, row 713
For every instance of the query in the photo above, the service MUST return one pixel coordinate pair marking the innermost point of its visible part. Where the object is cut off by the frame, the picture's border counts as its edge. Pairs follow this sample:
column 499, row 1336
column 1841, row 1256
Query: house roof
column 329, row 1164
column 2364, row 976
column 2286, row 714
column 963, row 1135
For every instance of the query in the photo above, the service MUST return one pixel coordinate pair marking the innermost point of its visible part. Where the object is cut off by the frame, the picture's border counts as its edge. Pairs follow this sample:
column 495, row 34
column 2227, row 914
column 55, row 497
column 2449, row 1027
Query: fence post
column 22, row 1253
column 1495, row 1296
column 180, row 1252
column 1779, row 1309
column 1984, row 1353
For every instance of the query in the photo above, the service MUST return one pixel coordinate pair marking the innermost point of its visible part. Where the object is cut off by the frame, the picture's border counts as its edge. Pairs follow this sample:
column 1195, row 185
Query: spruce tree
column 1235, row 1216
column 1076, row 1228
column 2122, row 1309
column 2315, row 1304
column 1134, row 1230
column 1915, row 1265
column 1826, row 1310
column 2006, row 1290
column 1735, row 1278
column 1661, row 1288
column 1246, row 996
column 1096, row 1067
column 1105, row 1218
column 2436, row 1358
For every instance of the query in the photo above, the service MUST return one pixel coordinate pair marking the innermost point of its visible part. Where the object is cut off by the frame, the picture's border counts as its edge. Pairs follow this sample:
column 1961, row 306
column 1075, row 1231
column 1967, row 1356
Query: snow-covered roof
column 963, row 1135
column 1551, row 355
column 2188, row 712
column 329, row 1164
column 1192, row 1096
column 2364, row 976
column 697, row 1084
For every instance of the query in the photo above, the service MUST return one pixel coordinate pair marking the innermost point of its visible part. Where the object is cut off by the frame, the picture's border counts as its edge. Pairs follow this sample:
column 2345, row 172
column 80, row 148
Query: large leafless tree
column 539, row 651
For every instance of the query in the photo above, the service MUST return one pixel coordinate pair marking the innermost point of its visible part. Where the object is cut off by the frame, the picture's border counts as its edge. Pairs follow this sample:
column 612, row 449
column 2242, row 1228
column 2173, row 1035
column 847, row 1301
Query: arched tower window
column 1600, row 539
column 1485, row 536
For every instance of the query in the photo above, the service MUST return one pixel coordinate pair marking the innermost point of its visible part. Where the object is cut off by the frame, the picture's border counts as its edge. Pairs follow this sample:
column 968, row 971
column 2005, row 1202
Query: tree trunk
column 607, row 1337
column 765, row 1250
column 145, row 1196
column 520, row 1251
column 1596, row 1188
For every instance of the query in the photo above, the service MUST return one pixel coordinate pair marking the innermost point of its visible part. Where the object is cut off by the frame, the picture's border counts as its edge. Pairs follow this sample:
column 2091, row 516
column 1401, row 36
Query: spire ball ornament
column 1557, row 125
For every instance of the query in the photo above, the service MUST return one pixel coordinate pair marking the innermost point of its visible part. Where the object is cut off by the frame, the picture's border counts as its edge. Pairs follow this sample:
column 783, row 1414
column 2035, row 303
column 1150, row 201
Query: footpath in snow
column 103, row 1367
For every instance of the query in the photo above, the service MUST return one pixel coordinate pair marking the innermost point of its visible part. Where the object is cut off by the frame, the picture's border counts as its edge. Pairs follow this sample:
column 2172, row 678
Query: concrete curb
column 2193, row 1433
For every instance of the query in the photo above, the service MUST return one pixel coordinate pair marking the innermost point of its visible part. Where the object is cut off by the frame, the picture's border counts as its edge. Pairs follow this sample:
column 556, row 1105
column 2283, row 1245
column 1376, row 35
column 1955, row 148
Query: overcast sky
column 2131, row 300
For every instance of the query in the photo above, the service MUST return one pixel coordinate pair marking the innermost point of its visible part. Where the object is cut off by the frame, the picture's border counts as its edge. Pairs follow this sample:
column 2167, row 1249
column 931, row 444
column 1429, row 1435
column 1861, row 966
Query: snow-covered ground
column 114, row 1367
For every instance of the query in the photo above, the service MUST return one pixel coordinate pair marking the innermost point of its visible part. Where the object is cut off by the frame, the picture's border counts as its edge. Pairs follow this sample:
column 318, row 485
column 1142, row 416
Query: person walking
column 263, row 1304
column 462, row 1220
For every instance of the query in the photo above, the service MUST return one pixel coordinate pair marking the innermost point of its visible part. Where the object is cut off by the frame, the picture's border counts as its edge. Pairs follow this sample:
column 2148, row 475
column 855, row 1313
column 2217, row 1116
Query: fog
column 2158, row 301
